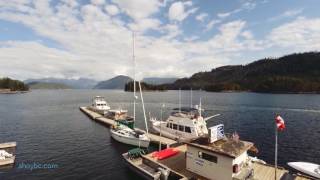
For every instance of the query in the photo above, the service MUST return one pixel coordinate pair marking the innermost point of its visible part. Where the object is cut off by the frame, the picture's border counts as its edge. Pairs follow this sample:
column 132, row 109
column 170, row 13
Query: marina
column 184, row 165
column 154, row 138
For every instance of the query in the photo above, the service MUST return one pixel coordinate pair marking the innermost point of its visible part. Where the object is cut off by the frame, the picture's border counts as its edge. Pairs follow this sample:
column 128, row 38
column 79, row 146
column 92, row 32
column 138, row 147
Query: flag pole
column 276, row 152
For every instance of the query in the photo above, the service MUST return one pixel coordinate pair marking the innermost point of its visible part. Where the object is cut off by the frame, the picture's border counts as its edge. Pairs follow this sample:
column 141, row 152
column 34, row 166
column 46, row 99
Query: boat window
column 181, row 128
column 168, row 125
column 187, row 129
column 174, row 126
column 207, row 157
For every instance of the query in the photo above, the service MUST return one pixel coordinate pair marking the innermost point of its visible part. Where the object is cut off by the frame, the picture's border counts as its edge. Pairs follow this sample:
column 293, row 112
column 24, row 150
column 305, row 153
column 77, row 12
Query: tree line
column 13, row 85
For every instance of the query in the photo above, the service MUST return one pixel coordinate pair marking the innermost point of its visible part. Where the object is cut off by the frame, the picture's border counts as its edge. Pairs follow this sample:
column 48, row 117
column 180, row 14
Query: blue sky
column 93, row 38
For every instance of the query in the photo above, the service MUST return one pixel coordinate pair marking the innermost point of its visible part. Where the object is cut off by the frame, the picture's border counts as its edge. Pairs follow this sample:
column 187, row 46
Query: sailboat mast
column 144, row 111
column 134, row 78
column 200, row 108
column 191, row 98
column 179, row 100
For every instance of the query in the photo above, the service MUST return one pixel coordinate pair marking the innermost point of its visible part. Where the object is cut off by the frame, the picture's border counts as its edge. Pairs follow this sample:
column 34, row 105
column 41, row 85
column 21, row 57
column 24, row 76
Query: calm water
column 49, row 128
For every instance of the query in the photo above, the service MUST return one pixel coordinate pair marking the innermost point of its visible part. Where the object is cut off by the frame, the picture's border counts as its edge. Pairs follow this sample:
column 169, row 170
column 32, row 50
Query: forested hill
column 289, row 74
column 12, row 85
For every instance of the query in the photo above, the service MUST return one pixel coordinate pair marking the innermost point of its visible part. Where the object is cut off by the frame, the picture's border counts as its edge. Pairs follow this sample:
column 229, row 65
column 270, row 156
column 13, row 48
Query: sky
column 93, row 38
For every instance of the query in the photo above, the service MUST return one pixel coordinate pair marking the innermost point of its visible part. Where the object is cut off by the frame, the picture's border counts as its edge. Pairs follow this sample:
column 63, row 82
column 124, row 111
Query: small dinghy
column 307, row 168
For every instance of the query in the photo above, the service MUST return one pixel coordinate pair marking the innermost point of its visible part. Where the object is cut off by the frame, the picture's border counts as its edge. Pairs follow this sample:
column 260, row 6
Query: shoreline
column 8, row 91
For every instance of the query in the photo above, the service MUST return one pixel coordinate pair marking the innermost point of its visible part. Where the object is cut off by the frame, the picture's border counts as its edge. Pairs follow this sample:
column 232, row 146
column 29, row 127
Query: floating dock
column 8, row 145
column 177, row 164
column 110, row 122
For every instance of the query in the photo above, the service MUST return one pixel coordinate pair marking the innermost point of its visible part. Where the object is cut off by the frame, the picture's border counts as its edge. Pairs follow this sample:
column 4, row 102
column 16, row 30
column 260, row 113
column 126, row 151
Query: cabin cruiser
column 100, row 105
column 183, row 124
column 121, row 116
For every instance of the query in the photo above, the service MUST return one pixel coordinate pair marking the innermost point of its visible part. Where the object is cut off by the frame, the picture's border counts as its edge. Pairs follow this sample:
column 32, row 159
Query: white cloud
column 200, row 17
column 91, row 42
column 98, row 2
column 145, row 24
column 177, row 11
column 247, row 35
column 138, row 9
column 112, row 9
column 210, row 25
column 223, row 15
column 301, row 34
column 287, row 14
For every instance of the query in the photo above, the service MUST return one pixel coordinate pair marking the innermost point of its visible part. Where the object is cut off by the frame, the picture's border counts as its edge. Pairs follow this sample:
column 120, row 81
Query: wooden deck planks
column 266, row 172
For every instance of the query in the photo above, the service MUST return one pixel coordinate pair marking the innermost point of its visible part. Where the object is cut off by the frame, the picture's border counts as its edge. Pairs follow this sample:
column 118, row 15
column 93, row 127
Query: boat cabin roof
column 185, row 109
column 118, row 111
column 226, row 146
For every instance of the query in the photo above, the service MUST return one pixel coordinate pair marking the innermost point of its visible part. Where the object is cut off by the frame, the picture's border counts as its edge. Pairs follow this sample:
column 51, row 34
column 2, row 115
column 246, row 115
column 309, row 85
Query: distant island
column 44, row 85
column 295, row 73
column 158, row 80
column 9, row 86
column 144, row 87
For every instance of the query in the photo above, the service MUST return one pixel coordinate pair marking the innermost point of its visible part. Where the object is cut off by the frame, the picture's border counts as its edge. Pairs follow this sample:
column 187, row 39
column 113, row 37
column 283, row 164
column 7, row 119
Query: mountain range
column 81, row 83
column 117, row 82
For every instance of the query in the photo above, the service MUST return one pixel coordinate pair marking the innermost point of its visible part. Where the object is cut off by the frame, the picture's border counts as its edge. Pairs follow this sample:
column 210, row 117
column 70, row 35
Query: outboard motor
column 164, row 173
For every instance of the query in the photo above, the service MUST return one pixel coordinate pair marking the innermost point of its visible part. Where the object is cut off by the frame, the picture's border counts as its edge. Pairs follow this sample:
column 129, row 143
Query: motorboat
column 308, row 168
column 121, row 116
column 100, row 105
column 183, row 124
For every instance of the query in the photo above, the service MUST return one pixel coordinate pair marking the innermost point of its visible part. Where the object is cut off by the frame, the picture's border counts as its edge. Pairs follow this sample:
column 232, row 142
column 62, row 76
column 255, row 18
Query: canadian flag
column 280, row 123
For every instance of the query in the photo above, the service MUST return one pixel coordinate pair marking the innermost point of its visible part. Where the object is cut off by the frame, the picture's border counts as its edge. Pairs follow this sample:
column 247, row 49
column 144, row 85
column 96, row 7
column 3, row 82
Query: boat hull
column 137, row 170
column 129, row 140
column 7, row 161
column 307, row 168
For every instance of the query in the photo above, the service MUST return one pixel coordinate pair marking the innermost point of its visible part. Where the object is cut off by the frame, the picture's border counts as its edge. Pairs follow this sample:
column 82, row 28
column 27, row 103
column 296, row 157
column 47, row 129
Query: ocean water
column 50, row 129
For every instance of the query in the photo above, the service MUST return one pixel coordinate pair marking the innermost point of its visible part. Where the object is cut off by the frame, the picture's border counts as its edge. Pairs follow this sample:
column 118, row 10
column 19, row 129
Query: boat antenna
column 134, row 78
column 179, row 100
column 200, row 108
column 144, row 111
column 191, row 98
column 163, row 105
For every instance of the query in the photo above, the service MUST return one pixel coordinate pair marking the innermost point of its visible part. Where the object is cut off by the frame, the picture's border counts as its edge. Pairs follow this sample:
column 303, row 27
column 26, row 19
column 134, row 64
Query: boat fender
column 164, row 173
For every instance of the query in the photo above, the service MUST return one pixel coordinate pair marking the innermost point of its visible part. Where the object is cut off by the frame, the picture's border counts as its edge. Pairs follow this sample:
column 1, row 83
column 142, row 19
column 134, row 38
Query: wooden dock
column 109, row 122
column 8, row 145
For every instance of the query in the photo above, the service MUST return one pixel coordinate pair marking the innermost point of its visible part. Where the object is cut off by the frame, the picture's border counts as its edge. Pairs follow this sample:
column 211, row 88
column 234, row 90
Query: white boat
column 100, row 105
column 182, row 124
column 307, row 168
column 128, row 135
column 7, row 158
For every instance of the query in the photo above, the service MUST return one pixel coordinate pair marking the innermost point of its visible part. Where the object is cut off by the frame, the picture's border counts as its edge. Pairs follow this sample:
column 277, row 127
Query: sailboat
column 127, row 135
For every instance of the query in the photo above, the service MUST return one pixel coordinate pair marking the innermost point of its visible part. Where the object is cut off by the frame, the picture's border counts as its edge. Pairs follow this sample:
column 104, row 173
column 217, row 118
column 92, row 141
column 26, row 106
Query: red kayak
column 166, row 153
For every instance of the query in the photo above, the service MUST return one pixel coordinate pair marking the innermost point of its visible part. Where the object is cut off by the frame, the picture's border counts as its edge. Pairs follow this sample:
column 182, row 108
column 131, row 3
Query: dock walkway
column 109, row 122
